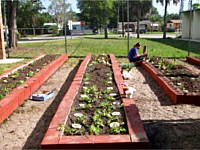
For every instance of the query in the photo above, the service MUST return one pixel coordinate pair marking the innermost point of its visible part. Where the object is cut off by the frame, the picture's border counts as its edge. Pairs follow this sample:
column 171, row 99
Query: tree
column 71, row 15
column 11, row 8
column 173, row 17
column 56, row 9
column 166, row 3
column 32, row 19
column 106, row 6
column 96, row 13
column 155, row 17
column 140, row 8
column 2, row 45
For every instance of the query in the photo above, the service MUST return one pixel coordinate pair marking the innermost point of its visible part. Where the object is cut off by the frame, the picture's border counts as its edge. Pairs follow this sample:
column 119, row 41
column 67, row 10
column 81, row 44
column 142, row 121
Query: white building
column 75, row 26
column 195, row 20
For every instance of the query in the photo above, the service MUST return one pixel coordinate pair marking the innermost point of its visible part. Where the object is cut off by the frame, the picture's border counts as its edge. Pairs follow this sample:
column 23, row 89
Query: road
column 44, row 38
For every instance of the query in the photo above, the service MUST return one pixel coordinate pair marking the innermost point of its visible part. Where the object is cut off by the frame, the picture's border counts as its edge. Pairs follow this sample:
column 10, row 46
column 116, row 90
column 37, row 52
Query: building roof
column 188, row 11
column 174, row 21
column 141, row 22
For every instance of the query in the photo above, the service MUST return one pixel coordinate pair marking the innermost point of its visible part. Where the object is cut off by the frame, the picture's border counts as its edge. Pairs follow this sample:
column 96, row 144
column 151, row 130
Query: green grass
column 115, row 45
column 5, row 67
column 98, row 45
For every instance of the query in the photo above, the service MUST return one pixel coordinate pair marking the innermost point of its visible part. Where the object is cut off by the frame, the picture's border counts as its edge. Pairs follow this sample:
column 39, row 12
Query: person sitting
column 134, row 56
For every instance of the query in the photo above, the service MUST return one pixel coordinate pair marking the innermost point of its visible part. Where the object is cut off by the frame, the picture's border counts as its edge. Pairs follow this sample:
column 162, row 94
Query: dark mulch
column 98, row 112
column 183, row 78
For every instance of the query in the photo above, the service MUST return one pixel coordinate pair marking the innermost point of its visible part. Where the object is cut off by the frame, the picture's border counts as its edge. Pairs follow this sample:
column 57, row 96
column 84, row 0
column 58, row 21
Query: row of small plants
column 7, row 84
column 97, row 108
column 181, row 77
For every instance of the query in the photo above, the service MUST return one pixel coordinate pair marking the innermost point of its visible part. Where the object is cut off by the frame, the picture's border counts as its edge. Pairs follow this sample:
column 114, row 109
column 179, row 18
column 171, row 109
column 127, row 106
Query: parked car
column 129, row 29
column 170, row 30
column 68, row 32
column 141, row 30
column 119, row 31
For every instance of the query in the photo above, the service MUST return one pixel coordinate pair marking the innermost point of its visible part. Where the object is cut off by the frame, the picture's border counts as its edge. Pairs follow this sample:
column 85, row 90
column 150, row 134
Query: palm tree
column 166, row 3
column 140, row 8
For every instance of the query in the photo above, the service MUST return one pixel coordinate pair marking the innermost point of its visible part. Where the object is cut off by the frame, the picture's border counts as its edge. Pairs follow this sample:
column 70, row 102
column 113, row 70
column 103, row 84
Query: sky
column 171, row 8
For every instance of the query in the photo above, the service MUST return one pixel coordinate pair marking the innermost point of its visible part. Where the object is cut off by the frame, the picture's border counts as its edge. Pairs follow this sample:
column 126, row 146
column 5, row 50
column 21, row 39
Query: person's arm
column 136, row 54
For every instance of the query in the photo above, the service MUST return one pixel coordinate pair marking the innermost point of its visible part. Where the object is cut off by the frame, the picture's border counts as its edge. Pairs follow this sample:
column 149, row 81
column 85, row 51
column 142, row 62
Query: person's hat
column 137, row 44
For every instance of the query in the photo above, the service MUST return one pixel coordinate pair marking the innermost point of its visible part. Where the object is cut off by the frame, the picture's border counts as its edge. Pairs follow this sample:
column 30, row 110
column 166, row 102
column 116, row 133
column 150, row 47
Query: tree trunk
column 138, row 22
column 9, row 10
column 2, row 45
column 105, row 25
column 165, row 20
column 12, row 23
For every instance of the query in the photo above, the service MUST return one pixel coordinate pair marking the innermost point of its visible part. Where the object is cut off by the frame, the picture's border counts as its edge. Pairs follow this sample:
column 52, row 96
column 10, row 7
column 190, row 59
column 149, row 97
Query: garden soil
column 167, row 126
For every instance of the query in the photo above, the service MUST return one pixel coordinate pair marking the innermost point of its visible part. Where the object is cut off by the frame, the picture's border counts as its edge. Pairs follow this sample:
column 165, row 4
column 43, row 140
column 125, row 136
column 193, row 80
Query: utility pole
column 118, row 18
column 2, row 46
column 190, row 28
column 65, row 26
column 128, row 44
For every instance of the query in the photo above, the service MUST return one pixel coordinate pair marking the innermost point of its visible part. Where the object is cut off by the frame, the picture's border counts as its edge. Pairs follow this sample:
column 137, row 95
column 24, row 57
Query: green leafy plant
column 86, row 106
column 20, row 82
column 108, row 97
column 94, row 88
column 15, row 74
column 86, row 77
column 62, row 127
column 88, row 99
column 69, row 130
column 117, row 130
column 94, row 129
column 97, row 120
column 112, row 119
column 30, row 74
column 10, row 86
column 1, row 96
column 73, row 109
column 81, row 120
column 103, row 113
column 4, row 90
column 106, row 91
column 86, row 90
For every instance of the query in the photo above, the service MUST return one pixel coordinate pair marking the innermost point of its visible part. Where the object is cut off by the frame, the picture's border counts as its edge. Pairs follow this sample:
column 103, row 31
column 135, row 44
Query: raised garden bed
column 93, row 114
column 193, row 60
column 180, row 83
column 19, row 83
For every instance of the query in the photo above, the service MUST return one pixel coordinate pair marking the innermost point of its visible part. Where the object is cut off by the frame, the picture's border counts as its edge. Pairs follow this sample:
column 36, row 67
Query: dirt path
column 167, row 125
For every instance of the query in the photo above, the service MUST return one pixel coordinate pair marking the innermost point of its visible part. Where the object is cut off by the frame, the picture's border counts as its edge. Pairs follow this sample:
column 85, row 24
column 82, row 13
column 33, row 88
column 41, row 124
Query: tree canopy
column 96, row 13
column 165, row 3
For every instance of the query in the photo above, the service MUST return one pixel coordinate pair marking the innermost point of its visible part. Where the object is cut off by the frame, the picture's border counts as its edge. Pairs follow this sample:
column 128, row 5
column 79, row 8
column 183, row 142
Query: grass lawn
column 99, row 45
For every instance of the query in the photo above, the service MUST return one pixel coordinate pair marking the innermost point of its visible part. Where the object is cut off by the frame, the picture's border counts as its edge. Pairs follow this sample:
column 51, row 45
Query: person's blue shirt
column 132, row 54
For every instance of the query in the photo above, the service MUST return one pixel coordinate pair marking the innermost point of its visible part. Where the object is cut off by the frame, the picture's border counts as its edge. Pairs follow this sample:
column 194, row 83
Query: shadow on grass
column 37, row 135
column 163, row 98
column 173, row 134
column 180, row 44
column 102, row 38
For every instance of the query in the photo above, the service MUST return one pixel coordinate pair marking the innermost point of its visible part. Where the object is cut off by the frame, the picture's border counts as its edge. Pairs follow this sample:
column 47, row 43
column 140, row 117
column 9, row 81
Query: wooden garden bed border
column 136, row 138
column 193, row 60
column 166, row 84
column 17, row 96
